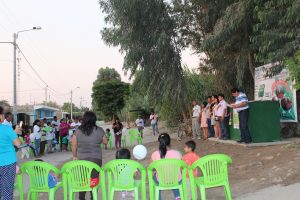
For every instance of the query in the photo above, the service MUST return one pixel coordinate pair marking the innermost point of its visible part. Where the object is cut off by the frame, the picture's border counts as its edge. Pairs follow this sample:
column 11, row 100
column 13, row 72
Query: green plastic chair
column 121, row 173
column 214, row 169
column 19, row 186
column 110, row 142
column 168, row 171
column 76, row 177
column 123, row 140
column 135, row 135
column 38, row 173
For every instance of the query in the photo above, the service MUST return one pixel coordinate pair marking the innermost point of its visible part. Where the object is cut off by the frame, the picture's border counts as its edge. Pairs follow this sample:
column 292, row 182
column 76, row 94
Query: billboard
column 277, row 88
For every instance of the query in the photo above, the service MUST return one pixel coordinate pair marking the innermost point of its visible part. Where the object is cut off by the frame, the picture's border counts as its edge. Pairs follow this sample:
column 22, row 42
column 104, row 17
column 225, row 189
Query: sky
column 67, row 52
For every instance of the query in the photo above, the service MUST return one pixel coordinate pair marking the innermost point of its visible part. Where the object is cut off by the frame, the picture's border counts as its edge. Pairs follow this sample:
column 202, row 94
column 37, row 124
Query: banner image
column 277, row 88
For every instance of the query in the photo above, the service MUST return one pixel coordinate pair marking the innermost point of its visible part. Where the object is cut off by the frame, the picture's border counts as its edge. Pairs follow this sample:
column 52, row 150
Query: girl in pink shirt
column 164, row 152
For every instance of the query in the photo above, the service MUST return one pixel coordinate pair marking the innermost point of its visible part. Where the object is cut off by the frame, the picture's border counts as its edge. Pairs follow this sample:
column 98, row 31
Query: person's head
column 221, row 97
column 76, row 120
column 235, row 92
column 37, row 122
column 88, row 122
column 195, row 103
column 164, row 142
column 55, row 118
column 209, row 99
column 1, row 110
column 190, row 146
column 8, row 116
column 204, row 104
column 279, row 91
column 215, row 99
column 107, row 130
column 123, row 154
column 117, row 120
column 48, row 123
column 62, row 120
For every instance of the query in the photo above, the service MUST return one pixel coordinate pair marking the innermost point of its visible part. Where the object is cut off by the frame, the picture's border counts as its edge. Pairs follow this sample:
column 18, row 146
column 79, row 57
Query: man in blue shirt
column 8, row 160
column 242, row 107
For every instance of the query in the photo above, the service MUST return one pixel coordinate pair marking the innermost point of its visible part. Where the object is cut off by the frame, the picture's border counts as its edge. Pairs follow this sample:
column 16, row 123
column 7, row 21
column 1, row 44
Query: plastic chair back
column 214, row 169
column 78, row 173
column 168, row 171
column 134, row 134
column 38, row 174
column 121, row 173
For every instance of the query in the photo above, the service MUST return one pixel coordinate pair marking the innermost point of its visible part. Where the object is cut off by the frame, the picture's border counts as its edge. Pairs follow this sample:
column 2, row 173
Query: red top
column 189, row 159
column 64, row 129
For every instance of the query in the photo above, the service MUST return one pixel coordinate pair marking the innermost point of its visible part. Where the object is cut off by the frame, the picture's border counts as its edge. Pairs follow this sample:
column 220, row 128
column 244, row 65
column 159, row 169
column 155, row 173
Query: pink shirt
column 170, row 154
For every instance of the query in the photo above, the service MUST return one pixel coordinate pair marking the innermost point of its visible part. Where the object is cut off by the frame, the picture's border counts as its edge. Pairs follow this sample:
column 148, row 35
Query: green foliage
column 67, row 107
column 109, row 93
column 146, row 34
column 52, row 104
column 109, row 97
column 293, row 65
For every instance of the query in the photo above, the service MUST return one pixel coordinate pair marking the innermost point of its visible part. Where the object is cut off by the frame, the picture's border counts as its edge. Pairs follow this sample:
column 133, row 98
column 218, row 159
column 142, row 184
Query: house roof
column 45, row 108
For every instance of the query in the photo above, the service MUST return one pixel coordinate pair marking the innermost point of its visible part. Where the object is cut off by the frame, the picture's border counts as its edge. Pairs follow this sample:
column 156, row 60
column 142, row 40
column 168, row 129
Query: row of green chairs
column 76, row 177
column 134, row 136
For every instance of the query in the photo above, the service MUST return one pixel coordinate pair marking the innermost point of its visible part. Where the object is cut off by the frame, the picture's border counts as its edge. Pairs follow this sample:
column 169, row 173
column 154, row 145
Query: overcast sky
column 67, row 52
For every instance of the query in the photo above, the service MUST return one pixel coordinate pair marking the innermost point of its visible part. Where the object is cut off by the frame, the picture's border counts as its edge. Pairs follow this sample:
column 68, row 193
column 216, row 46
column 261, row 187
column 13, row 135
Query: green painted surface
column 264, row 122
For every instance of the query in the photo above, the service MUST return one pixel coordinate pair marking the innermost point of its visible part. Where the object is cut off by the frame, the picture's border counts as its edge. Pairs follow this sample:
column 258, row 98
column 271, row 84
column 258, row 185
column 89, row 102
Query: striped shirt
column 240, row 99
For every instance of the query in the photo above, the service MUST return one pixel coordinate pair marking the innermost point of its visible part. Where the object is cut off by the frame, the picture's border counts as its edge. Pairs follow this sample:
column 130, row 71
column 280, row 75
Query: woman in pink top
column 165, row 152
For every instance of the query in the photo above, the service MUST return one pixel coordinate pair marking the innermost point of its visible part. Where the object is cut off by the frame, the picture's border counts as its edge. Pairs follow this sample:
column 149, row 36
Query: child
column 203, row 120
column 52, row 182
column 107, row 135
column 190, row 157
column 49, row 136
column 125, row 170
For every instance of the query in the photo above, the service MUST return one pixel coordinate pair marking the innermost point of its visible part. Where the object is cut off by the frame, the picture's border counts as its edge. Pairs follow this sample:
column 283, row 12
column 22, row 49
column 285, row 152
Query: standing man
column 8, row 119
column 55, row 124
column 140, row 124
column 154, row 119
column 195, row 121
column 242, row 107
column 223, row 118
column 208, row 114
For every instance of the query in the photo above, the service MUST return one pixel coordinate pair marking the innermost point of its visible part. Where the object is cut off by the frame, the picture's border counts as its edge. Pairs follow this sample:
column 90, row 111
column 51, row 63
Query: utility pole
column 71, row 104
column 81, row 99
column 46, row 94
column 15, row 78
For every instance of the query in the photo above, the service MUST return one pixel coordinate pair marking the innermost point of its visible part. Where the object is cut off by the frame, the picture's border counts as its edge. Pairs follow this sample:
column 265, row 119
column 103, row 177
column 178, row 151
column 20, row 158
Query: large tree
column 146, row 34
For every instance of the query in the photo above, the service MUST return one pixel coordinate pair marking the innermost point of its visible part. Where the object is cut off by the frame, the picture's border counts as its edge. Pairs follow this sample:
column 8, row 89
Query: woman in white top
column 215, row 117
column 37, row 135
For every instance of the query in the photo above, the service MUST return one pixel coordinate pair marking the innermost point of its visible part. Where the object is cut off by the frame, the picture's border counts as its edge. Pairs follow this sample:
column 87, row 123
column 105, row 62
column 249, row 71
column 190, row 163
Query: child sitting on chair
column 52, row 182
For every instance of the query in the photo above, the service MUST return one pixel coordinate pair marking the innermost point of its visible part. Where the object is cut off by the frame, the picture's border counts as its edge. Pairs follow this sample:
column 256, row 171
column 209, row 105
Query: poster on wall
column 277, row 88
column 236, row 121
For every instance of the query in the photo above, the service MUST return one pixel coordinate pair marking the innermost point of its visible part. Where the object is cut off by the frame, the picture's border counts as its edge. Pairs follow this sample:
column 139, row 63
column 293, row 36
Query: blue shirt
column 7, row 151
column 242, row 98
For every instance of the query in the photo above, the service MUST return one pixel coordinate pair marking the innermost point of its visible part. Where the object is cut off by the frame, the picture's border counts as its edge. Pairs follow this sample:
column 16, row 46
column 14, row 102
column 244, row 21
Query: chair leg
column 181, row 193
column 52, row 195
column 136, row 193
column 35, row 196
column 95, row 193
column 111, row 194
column 227, row 192
column 157, row 193
column 29, row 195
column 202, row 193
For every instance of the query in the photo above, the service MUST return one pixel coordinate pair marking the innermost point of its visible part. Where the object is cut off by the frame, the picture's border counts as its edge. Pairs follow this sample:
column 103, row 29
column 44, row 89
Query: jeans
column 155, row 128
column 245, row 133
column 210, row 128
column 196, row 127
column 7, row 179
column 118, row 140
column 224, row 127
column 175, row 191
column 37, row 144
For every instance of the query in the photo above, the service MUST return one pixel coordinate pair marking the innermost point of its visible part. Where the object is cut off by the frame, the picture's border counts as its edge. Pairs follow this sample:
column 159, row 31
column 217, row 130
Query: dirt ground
column 253, row 168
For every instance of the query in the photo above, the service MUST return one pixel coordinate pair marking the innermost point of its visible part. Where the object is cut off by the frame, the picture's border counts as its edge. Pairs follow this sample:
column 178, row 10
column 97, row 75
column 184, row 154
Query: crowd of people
column 213, row 116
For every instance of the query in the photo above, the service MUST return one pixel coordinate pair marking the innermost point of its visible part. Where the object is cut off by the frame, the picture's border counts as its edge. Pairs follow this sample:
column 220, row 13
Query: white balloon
column 140, row 152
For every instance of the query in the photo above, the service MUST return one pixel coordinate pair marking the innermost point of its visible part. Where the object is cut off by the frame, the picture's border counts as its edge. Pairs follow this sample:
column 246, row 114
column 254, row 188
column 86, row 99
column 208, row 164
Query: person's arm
column 74, row 147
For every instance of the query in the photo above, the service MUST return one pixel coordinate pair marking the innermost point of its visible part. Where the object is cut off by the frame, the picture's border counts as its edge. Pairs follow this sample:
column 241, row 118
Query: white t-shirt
column 196, row 111
column 153, row 118
column 75, row 125
column 222, row 108
column 37, row 131
column 139, row 122
column 56, row 125
column 7, row 123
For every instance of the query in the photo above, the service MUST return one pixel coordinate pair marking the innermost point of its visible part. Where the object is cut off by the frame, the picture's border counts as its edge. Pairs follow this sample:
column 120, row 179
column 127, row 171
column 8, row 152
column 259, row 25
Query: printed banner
column 277, row 88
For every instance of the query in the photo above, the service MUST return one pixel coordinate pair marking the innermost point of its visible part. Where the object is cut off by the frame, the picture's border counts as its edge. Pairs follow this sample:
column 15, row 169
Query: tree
column 293, row 65
column 109, row 97
column 5, row 105
column 67, row 107
column 146, row 34
column 108, row 74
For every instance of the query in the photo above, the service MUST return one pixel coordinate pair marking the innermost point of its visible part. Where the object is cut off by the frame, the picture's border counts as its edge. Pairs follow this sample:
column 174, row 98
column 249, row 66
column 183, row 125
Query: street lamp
column 72, row 101
column 15, row 36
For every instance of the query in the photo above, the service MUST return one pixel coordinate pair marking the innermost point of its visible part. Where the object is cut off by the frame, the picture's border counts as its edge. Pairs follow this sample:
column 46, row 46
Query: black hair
column 208, row 97
column 8, row 114
column 234, row 90
column 48, row 123
column 1, row 110
column 88, row 123
column 55, row 117
column 36, row 121
column 164, row 141
column 221, row 95
column 215, row 96
column 107, row 130
column 45, row 119
column 191, row 144
column 123, row 154
column 39, row 160
column 61, row 120
column 204, row 103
